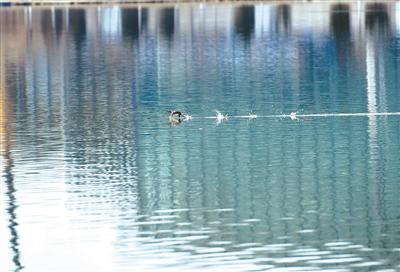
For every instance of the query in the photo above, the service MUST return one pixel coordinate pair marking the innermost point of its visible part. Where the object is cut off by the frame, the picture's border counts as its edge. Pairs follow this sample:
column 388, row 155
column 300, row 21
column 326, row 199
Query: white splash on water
column 187, row 117
column 252, row 116
column 220, row 117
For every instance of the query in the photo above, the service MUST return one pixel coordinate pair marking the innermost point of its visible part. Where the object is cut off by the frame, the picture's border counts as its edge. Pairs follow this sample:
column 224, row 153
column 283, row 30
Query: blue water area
column 96, row 177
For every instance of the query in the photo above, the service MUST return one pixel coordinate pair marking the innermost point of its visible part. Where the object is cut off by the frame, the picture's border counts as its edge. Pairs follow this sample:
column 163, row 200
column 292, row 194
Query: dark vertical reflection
column 167, row 19
column 46, row 22
column 244, row 21
column 340, row 28
column 77, row 23
column 12, row 207
column 51, row 22
column 340, row 20
column 58, row 21
column 130, row 23
column 144, row 18
column 377, row 16
column 284, row 18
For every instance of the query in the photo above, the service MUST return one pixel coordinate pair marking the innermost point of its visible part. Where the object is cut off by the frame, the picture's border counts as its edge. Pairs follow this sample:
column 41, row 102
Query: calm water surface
column 93, row 178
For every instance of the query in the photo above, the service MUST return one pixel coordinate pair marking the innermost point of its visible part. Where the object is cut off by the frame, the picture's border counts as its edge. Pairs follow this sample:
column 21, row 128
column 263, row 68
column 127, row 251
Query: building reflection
column 377, row 16
column 130, row 23
column 284, row 22
column 144, row 18
column 340, row 24
column 51, row 23
column 377, row 28
column 244, row 21
column 77, row 23
column 167, row 22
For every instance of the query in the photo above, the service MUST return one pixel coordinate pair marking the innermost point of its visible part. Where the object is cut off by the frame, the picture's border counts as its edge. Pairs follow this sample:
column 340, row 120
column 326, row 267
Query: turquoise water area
column 95, row 178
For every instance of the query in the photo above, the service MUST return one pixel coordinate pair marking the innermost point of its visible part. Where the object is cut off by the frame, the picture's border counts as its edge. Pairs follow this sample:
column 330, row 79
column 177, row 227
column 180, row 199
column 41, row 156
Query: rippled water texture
column 94, row 178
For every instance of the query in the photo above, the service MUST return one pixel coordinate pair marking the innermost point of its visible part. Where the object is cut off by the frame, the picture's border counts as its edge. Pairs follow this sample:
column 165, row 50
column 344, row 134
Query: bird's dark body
column 175, row 114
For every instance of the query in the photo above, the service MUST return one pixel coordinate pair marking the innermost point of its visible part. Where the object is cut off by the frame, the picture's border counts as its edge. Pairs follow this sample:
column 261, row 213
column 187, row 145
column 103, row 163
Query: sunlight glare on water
column 288, row 158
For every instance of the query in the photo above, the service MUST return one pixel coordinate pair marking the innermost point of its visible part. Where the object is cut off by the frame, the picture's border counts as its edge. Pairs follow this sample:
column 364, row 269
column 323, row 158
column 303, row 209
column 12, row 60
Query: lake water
column 94, row 178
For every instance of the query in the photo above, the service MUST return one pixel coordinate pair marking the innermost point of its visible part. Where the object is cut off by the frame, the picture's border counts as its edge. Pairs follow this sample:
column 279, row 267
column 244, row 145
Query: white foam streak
column 220, row 117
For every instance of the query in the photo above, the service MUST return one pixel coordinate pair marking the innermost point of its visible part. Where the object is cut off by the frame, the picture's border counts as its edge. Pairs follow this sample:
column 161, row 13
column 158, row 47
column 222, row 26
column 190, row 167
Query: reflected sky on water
column 94, row 178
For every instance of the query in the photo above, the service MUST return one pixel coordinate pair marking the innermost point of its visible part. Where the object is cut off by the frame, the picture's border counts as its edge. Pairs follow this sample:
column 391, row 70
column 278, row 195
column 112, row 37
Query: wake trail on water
column 219, row 117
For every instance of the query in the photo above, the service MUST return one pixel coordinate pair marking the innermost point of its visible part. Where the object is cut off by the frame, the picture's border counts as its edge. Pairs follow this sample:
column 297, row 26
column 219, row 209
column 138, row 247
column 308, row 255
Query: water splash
column 187, row 117
column 252, row 116
column 220, row 117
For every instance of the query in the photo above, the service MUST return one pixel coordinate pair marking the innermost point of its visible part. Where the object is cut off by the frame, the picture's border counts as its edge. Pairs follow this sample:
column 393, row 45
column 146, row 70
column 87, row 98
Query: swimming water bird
column 177, row 117
column 174, row 118
column 175, row 114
